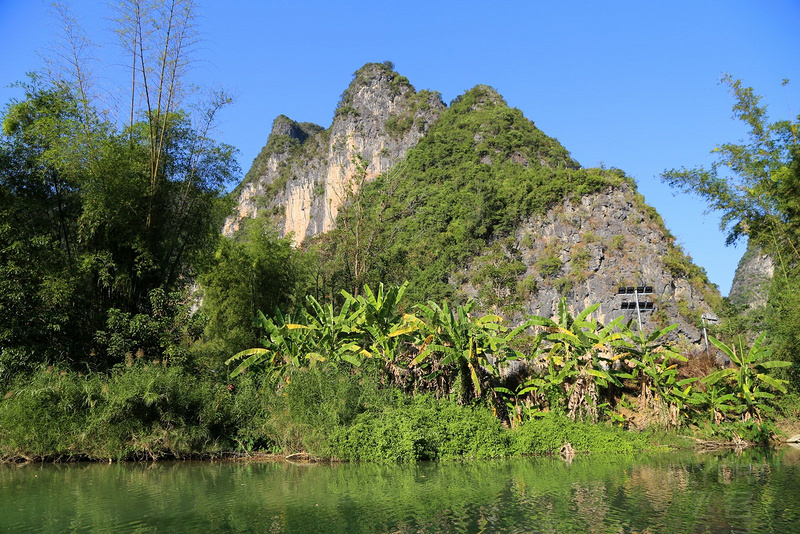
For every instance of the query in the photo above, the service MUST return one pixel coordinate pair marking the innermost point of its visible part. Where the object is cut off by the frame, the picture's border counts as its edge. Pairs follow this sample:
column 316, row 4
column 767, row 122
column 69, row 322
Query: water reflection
column 751, row 492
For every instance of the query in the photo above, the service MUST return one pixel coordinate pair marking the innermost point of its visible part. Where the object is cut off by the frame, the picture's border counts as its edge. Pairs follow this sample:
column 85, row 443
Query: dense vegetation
column 120, row 302
column 94, row 240
column 368, row 381
column 480, row 169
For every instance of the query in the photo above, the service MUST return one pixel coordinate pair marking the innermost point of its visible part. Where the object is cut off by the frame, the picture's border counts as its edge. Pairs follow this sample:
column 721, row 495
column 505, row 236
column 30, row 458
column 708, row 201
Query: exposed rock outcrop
column 750, row 283
column 586, row 250
column 305, row 173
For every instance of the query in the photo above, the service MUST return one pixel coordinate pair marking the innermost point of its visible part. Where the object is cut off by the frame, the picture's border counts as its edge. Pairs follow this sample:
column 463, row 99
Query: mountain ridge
column 440, row 189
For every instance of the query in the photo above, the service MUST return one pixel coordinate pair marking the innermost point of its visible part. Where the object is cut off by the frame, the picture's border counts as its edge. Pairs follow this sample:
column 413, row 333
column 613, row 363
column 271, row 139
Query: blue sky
column 626, row 84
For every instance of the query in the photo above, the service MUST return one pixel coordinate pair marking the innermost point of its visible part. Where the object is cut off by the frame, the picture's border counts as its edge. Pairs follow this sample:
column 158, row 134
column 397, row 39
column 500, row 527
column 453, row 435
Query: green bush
column 549, row 433
column 422, row 428
column 548, row 265
column 145, row 411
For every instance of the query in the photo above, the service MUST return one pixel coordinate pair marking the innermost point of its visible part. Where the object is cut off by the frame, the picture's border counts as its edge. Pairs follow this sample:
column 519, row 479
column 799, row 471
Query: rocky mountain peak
column 374, row 83
column 283, row 126
column 305, row 173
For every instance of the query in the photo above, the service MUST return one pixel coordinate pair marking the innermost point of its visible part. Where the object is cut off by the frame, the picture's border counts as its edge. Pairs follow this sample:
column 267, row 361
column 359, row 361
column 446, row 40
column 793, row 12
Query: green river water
column 754, row 491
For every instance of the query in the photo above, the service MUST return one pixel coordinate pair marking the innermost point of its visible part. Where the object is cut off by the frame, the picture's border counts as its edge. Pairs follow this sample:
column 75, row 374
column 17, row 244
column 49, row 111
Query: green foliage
column 581, row 366
column 382, row 322
column 564, row 284
column 780, row 320
column 755, row 184
column 750, row 430
column 580, row 259
column 163, row 333
column 547, row 434
column 255, row 270
column 656, row 368
column 368, row 327
column 474, row 348
column 452, row 347
column 423, row 428
column 93, row 221
column 680, row 265
column 590, row 237
column 416, row 103
column 752, row 199
column 748, row 379
column 324, row 383
column 319, row 402
column 692, row 316
column 548, row 265
column 496, row 275
column 142, row 411
column 677, row 263
column 577, row 353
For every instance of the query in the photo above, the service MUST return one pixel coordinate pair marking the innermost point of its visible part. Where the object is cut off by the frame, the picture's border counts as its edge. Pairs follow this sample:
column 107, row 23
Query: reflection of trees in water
column 658, row 485
column 668, row 493
column 592, row 504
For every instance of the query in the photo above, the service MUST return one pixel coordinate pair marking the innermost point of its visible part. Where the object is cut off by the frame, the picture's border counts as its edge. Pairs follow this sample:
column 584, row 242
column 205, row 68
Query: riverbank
column 148, row 411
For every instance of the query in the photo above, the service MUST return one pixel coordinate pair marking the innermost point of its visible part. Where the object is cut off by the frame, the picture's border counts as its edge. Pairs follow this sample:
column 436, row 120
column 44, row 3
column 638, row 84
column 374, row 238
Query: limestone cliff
column 586, row 250
column 304, row 173
column 750, row 283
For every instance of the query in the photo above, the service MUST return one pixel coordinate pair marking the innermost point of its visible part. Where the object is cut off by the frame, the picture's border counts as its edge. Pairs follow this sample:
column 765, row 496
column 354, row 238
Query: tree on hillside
column 756, row 186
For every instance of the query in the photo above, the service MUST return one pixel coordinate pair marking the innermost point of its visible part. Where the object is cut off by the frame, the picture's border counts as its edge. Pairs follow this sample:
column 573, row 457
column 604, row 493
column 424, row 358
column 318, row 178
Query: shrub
column 549, row 433
column 422, row 428
column 548, row 265
column 145, row 411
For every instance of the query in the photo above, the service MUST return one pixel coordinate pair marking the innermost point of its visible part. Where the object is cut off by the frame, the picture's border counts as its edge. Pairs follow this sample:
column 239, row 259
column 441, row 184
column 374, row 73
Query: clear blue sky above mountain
column 626, row 84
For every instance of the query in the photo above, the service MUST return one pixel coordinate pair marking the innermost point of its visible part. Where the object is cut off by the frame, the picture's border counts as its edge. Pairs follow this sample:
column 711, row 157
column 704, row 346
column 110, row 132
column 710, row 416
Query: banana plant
column 476, row 347
column 714, row 400
column 656, row 368
column 522, row 404
column 655, row 364
column 318, row 335
column 335, row 335
column 580, row 358
column 286, row 344
column 385, row 327
column 748, row 377
column 550, row 387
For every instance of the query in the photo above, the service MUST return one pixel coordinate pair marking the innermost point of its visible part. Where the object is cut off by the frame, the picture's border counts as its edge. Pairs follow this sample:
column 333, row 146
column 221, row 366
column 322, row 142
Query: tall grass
column 145, row 411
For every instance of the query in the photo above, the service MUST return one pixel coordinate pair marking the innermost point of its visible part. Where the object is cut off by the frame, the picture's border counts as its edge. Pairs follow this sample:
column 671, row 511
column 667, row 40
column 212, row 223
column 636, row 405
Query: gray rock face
column 305, row 173
column 750, row 283
column 586, row 250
